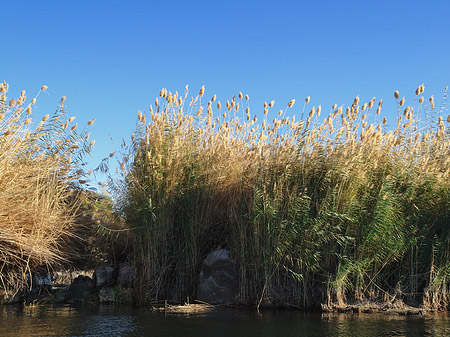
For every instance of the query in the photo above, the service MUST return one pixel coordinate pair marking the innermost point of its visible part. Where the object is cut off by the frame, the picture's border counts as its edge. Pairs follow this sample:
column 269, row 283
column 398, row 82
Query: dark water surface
column 129, row 321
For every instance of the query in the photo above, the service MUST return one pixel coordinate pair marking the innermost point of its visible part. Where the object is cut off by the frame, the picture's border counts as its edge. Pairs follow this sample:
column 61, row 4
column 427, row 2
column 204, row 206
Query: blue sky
column 111, row 58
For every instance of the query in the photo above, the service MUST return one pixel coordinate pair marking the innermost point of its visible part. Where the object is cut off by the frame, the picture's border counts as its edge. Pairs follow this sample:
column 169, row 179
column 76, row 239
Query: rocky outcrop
column 107, row 285
column 80, row 290
column 217, row 282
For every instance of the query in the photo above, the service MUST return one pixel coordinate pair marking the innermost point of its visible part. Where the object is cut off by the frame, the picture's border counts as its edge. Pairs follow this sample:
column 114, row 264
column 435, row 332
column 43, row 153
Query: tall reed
column 335, row 207
column 39, row 170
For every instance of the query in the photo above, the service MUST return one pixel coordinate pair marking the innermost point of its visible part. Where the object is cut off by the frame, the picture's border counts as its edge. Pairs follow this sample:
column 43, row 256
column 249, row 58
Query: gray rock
column 104, row 276
column 217, row 283
column 125, row 279
column 80, row 289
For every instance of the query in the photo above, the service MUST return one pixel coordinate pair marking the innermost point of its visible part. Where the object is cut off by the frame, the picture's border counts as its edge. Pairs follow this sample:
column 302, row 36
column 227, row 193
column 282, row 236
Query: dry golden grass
column 36, row 172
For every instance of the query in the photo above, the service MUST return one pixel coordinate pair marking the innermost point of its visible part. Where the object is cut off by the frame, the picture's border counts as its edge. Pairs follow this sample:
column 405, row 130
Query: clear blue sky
column 111, row 58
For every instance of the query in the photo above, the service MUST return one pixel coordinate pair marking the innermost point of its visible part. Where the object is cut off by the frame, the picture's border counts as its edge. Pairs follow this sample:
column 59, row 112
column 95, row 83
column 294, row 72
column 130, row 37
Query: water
column 129, row 321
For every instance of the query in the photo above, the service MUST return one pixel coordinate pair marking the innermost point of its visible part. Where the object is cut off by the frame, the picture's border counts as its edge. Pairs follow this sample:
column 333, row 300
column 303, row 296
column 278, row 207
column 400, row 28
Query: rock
column 217, row 283
column 10, row 296
column 107, row 295
column 125, row 279
column 80, row 289
column 104, row 276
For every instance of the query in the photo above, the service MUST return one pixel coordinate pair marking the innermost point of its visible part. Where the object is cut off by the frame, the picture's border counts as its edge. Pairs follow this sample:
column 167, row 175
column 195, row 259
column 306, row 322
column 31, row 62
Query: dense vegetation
column 40, row 169
column 332, row 208
column 327, row 209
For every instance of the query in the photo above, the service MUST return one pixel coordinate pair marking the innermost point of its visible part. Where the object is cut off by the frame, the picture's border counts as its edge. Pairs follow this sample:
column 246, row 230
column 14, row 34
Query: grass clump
column 333, row 207
column 39, row 170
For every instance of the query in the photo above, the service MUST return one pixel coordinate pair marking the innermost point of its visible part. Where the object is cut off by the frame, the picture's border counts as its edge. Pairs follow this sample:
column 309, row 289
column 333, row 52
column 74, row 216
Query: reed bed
column 333, row 207
column 39, row 171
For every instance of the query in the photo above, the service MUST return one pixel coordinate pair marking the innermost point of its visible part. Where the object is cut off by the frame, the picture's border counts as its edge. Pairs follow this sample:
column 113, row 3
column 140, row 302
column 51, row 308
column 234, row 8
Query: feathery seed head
column 71, row 118
column 45, row 117
column 431, row 100
column 240, row 95
column 396, row 94
column 44, row 87
column 291, row 103
column 402, row 101
column 307, row 99
column 213, row 99
column 91, row 122
column 334, row 106
column 202, row 91
column 271, row 103
column 421, row 99
column 74, row 127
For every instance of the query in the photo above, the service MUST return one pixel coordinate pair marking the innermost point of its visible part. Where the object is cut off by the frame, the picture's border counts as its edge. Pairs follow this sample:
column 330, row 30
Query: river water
column 130, row 321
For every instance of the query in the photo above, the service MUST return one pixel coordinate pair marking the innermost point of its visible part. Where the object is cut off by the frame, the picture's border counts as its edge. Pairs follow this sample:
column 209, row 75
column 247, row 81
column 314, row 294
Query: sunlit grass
column 336, row 202
column 40, row 162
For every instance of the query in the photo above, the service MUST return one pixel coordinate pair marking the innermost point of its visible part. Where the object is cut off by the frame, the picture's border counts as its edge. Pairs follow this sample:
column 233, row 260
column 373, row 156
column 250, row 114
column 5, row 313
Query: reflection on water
column 129, row 321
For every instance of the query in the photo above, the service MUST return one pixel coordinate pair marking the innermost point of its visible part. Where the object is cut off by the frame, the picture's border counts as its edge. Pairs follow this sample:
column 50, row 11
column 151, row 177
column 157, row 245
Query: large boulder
column 217, row 283
column 80, row 290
